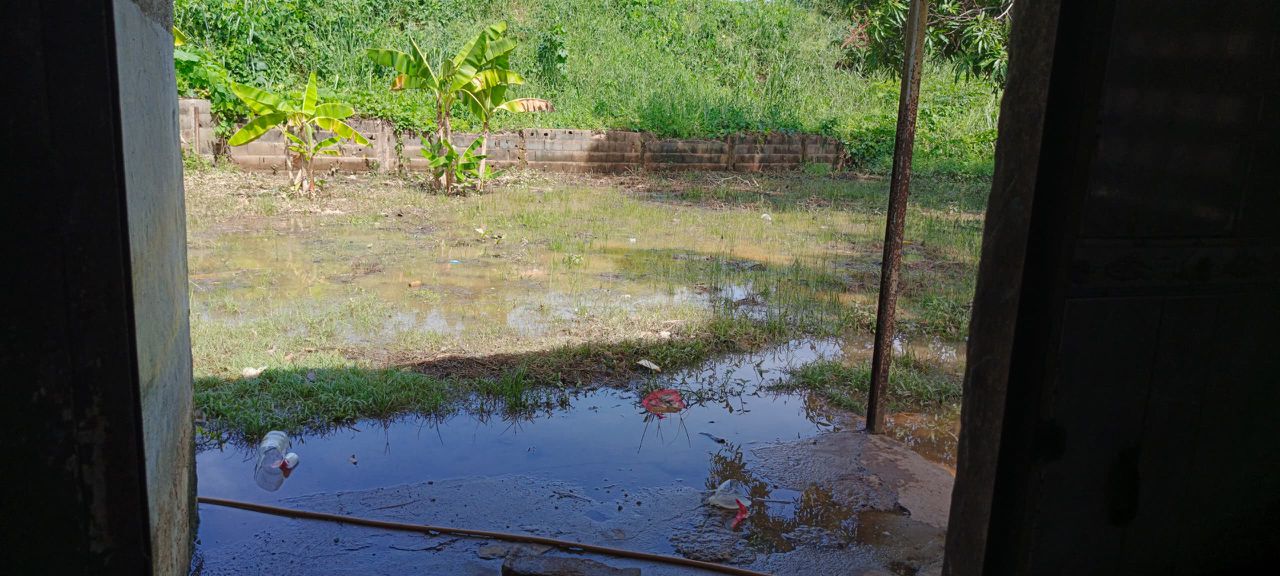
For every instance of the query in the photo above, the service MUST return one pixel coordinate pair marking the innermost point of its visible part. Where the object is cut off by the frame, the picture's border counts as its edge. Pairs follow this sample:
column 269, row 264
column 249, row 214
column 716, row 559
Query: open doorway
column 624, row 323
column 1115, row 386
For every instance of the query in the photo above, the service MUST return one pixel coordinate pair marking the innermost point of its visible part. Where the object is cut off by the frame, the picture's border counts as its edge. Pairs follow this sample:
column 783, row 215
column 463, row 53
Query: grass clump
column 297, row 399
column 914, row 383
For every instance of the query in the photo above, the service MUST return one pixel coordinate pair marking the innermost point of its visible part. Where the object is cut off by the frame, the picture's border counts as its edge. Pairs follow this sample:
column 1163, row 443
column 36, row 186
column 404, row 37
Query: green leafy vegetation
column 478, row 77
column 971, row 34
column 677, row 68
column 300, row 121
column 450, row 166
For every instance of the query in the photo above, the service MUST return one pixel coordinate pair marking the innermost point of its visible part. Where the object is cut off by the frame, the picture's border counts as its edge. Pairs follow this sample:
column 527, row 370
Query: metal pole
column 899, row 187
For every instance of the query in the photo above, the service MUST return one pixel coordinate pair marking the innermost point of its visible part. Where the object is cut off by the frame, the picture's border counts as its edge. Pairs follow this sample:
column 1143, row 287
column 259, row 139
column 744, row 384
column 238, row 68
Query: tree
column 972, row 33
column 447, row 79
column 299, row 122
column 487, row 94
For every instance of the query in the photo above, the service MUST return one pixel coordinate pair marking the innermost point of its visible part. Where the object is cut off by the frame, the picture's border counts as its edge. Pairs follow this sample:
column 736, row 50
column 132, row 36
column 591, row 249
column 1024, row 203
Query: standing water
column 604, row 451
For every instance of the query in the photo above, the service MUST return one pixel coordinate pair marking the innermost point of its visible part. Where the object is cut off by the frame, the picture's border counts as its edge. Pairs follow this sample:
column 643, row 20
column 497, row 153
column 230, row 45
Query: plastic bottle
column 274, row 460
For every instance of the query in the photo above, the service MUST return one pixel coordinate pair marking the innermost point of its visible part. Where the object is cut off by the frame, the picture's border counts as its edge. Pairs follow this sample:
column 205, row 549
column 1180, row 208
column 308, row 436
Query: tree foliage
column 300, row 120
column 972, row 33
column 477, row 76
column 674, row 68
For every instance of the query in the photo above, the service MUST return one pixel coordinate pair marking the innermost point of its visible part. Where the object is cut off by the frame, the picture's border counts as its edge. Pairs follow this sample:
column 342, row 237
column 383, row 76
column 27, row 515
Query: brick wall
column 553, row 150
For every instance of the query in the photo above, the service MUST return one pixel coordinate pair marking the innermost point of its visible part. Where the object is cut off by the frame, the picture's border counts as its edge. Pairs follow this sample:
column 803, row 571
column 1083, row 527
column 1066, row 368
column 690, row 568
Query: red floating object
column 662, row 402
column 742, row 515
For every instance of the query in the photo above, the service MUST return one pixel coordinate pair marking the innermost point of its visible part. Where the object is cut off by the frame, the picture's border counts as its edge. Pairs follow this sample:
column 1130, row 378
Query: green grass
column 315, row 398
column 914, row 384
column 677, row 68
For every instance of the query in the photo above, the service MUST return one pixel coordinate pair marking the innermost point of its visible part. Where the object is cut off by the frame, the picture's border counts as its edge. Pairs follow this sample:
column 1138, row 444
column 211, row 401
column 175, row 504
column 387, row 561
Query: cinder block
column 685, row 158
column 687, row 146
column 688, row 166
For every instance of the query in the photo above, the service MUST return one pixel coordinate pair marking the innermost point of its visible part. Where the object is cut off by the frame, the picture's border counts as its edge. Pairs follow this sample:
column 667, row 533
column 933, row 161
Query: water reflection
column 694, row 428
column 777, row 515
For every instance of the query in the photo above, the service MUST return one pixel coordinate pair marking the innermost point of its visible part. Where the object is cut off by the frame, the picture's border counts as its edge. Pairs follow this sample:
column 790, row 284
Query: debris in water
column 741, row 515
column 714, row 438
column 353, row 460
column 650, row 365
column 506, row 550
column 663, row 402
column 251, row 372
column 730, row 495
column 275, row 462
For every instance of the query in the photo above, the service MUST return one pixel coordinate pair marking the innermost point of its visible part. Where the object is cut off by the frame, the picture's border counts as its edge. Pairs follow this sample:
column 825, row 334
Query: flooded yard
column 598, row 468
column 482, row 361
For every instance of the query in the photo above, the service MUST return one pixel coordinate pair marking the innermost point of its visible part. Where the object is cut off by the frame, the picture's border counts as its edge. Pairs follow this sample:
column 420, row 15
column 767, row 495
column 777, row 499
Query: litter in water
column 275, row 461
column 663, row 402
column 740, row 516
column 730, row 495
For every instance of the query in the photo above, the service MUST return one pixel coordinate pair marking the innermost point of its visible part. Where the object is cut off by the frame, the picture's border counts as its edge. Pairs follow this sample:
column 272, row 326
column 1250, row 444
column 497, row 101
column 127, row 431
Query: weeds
column 683, row 68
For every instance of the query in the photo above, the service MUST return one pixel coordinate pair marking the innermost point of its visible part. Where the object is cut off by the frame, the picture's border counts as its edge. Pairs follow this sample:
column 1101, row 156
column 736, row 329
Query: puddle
column 933, row 436
column 603, row 433
column 604, row 444
column 415, row 284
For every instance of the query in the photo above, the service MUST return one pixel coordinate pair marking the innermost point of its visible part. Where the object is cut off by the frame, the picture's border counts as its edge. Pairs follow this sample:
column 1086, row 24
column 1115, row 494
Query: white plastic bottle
column 272, row 464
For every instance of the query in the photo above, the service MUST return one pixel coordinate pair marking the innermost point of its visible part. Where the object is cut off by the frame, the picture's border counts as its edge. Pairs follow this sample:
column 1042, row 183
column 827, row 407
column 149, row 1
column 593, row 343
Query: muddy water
column 603, row 445
column 454, row 290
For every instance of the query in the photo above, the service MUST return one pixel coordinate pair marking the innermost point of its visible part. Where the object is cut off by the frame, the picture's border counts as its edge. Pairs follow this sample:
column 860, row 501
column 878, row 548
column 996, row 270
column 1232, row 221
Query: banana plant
column 448, row 78
column 443, row 157
column 487, row 94
column 300, row 122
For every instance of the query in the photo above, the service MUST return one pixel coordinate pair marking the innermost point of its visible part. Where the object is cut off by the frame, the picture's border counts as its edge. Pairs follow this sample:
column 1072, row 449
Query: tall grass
column 678, row 68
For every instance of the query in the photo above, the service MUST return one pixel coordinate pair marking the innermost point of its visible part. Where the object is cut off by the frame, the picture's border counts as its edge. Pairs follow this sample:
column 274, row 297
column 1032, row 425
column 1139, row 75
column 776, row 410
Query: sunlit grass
column 914, row 383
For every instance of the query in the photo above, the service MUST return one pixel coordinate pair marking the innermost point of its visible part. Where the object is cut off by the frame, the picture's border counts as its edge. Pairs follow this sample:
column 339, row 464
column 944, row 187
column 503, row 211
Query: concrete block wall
column 196, row 124
column 552, row 150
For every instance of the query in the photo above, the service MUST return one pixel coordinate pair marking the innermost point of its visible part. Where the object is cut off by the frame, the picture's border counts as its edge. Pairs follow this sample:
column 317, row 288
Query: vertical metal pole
column 899, row 187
